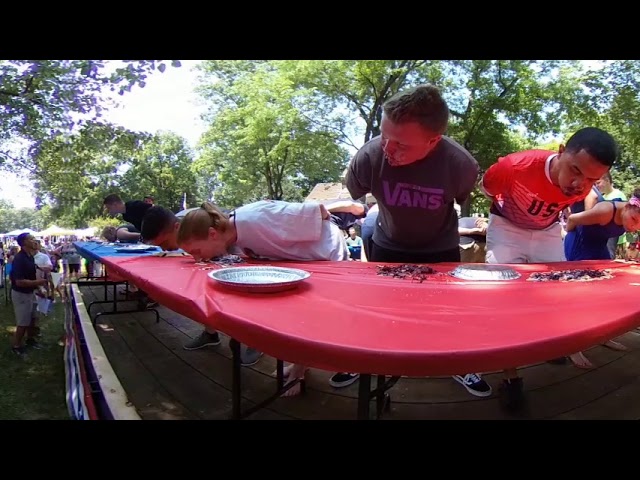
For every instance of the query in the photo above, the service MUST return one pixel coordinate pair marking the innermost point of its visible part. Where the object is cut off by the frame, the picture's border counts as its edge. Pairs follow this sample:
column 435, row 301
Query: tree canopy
column 276, row 128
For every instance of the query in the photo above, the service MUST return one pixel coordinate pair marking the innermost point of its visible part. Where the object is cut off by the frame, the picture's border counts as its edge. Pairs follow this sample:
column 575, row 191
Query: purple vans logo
column 416, row 196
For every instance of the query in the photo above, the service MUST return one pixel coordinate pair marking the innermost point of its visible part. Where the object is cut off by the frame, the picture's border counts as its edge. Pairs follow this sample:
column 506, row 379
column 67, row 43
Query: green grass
column 32, row 387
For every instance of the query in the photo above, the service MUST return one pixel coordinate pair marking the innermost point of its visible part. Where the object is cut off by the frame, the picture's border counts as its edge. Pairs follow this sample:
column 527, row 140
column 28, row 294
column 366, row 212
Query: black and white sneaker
column 19, row 351
column 474, row 384
column 343, row 379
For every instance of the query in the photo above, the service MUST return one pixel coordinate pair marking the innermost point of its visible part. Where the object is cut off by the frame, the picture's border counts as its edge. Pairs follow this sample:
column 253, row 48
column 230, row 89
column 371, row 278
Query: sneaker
column 343, row 379
column 512, row 398
column 33, row 343
column 19, row 351
column 205, row 339
column 144, row 303
column 474, row 384
column 249, row 356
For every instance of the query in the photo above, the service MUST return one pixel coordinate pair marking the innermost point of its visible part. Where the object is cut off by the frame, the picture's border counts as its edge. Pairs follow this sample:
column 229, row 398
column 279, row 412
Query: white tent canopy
column 54, row 231
column 86, row 232
column 15, row 233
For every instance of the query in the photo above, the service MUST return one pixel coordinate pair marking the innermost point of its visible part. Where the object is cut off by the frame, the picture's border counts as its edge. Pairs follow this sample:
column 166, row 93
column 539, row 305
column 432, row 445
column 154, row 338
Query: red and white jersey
column 523, row 191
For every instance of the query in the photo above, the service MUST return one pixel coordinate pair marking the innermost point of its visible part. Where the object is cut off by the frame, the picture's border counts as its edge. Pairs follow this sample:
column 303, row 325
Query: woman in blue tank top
column 587, row 235
column 588, row 231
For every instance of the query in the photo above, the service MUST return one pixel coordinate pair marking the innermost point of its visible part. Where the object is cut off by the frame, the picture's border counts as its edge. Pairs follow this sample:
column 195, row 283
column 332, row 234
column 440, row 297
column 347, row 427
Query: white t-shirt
column 278, row 230
column 42, row 260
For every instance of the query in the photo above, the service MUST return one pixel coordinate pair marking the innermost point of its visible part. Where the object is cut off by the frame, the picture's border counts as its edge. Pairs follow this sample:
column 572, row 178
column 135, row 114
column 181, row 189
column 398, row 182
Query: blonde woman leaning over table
column 270, row 230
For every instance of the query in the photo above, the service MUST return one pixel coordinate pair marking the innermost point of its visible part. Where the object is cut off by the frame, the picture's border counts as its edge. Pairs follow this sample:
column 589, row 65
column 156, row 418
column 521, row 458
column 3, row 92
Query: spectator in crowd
column 24, row 282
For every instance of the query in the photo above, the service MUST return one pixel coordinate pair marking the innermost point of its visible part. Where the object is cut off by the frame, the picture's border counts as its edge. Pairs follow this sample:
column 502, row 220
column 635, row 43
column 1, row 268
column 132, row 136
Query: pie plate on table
column 135, row 248
column 259, row 279
column 484, row 271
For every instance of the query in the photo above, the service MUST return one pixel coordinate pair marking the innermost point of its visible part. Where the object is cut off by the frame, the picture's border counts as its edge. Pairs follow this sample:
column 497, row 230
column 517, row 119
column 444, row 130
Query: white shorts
column 507, row 243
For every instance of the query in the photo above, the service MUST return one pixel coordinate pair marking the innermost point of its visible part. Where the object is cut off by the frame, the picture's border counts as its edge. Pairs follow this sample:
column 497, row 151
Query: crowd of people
column 36, row 269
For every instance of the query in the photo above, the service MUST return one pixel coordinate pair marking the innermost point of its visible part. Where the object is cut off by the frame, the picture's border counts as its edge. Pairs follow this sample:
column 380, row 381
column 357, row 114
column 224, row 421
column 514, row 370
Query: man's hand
column 324, row 213
column 481, row 225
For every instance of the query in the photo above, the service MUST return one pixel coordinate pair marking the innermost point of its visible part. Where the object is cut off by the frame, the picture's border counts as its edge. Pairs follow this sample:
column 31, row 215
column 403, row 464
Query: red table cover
column 345, row 317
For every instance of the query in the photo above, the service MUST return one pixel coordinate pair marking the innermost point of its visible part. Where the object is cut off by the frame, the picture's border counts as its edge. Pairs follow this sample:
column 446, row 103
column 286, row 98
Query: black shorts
column 74, row 268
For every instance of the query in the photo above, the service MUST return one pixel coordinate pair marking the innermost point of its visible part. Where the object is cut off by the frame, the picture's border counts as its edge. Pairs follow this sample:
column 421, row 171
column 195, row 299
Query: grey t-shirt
column 415, row 201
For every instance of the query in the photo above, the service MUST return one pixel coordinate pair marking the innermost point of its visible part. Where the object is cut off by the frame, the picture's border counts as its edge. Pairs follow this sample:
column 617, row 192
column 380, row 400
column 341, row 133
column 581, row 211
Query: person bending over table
column 160, row 227
column 270, row 230
column 588, row 234
column 125, row 233
column 528, row 190
column 132, row 211
column 415, row 173
column 128, row 233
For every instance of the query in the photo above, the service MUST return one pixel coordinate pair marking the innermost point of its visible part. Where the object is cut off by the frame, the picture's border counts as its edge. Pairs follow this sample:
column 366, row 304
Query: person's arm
column 324, row 213
column 498, row 178
column 468, row 226
column 358, row 179
column 23, row 283
column 468, row 182
column 598, row 215
column 347, row 206
column 46, row 272
column 462, row 231
column 126, row 236
column 590, row 200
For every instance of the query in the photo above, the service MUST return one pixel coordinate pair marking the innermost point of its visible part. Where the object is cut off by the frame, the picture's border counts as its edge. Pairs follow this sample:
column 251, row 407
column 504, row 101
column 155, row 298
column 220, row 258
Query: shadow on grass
column 33, row 387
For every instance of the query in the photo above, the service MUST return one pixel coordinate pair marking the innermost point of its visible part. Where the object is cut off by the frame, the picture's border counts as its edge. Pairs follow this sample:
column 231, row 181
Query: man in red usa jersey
column 528, row 190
